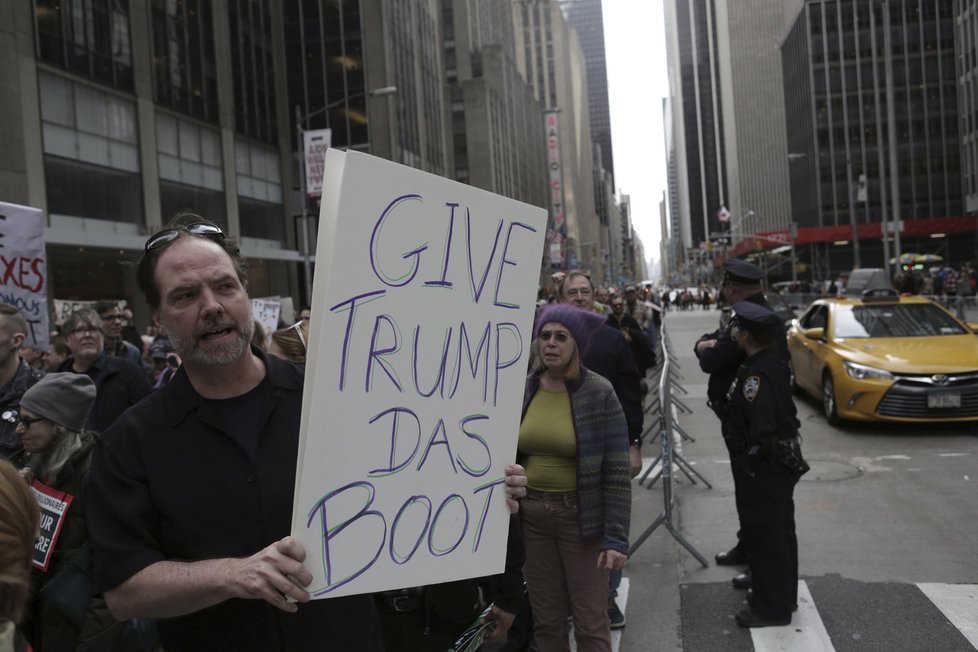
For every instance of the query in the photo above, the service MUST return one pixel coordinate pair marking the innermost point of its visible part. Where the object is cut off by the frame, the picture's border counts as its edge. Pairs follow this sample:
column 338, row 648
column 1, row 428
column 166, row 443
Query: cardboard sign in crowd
column 23, row 269
column 422, row 312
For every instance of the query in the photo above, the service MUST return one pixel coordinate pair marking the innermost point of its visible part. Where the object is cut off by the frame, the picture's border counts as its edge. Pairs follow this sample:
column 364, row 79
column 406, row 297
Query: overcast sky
column 637, row 82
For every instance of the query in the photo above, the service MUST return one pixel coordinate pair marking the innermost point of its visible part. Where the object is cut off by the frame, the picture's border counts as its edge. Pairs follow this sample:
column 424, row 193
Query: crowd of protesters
column 109, row 411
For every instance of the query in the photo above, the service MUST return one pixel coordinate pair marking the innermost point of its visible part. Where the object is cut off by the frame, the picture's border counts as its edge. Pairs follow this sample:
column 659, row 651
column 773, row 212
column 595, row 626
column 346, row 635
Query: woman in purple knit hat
column 574, row 444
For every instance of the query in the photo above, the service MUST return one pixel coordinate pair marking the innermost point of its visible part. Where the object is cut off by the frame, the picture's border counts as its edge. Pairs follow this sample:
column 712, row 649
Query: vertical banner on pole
column 420, row 335
column 314, row 145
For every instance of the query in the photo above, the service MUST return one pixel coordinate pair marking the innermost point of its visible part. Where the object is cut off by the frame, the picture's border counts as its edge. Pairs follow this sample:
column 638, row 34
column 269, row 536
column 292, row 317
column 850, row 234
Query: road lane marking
column 806, row 633
column 959, row 603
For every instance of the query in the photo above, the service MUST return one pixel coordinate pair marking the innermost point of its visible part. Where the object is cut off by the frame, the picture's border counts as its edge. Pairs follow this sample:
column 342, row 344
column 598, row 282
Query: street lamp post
column 793, row 228
column 856, row 264
column 299, row 133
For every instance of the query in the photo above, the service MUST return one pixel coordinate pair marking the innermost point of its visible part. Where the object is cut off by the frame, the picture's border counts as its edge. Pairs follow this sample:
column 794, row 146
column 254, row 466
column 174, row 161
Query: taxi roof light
column 870, row 284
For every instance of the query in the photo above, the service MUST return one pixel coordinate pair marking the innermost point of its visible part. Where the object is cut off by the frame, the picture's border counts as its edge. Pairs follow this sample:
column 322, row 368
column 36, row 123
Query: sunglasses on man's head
column 201, row 229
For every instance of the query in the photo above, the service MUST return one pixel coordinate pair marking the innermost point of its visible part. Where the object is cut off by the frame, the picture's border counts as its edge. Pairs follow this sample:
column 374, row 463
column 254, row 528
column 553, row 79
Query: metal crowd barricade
column 668, row 369
column 668, row 375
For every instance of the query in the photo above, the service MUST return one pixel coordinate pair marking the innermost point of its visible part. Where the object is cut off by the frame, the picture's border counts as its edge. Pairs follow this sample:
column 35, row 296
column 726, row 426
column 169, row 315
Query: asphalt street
column 886, row 527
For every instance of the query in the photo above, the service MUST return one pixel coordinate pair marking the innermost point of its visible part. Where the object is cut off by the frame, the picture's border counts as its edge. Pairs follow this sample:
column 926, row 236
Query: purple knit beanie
column 580, row 323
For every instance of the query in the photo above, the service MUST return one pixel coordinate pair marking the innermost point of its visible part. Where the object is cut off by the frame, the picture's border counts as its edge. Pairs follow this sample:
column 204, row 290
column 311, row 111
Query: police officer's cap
column 755, row 318
column 740, row 271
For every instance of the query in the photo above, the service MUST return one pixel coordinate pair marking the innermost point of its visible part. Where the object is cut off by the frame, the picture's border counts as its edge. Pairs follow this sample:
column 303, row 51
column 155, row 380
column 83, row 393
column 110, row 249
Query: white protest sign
column 23, row 269
column 423, row 305
column 266, row 312
column 64, row 307
column 54, row 504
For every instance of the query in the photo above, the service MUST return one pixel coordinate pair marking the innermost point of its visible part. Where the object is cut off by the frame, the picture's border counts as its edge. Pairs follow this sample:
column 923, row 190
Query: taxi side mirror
column 815, row 333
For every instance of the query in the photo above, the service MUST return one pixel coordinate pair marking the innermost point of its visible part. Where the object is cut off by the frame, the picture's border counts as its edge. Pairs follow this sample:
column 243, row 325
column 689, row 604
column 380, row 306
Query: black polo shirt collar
column 181, row 398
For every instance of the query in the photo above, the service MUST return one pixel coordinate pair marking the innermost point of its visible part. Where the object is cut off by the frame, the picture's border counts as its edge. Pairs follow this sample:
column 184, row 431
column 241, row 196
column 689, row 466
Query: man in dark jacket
column 608, row 354
column 119, row 383
column 16, row 377
column 637, row 339
column 720, row 357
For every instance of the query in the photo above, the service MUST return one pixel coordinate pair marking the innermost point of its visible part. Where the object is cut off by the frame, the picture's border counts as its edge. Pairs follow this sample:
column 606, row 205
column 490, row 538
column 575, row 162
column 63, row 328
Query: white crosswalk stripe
column 959, row 602
column 806, row 633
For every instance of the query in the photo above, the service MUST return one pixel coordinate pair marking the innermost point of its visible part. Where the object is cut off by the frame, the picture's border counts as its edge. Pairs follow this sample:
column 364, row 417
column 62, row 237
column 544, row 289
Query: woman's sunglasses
column 560, row 336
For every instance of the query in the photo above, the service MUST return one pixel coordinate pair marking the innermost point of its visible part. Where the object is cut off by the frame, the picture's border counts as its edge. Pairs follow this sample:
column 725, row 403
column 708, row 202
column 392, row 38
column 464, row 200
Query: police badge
column 751, row 385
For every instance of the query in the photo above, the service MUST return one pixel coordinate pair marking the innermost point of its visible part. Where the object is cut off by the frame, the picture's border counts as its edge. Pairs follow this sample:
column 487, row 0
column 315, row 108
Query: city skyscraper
column 586, row 18
column 856, row 166
column 697, row 107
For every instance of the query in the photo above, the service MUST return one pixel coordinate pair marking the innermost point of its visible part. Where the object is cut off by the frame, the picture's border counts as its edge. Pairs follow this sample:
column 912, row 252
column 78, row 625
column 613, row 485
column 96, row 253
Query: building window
column 325, row 68
column 252, row 69
column 184, row 70
column 259, row 191
column 261, row 219
column 177, row 197
column 82, row 123
column 89, row 38
column 189, row 153
column 95, row 192
column 191, row 174
column 91, row 151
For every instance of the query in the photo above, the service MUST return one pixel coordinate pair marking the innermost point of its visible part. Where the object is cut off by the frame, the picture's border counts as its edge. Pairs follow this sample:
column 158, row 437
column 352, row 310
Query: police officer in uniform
column 720, row 357
column 761, row 433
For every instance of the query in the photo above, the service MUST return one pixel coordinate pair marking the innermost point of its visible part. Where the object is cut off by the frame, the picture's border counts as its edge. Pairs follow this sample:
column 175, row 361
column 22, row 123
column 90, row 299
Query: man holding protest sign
column 228, row 423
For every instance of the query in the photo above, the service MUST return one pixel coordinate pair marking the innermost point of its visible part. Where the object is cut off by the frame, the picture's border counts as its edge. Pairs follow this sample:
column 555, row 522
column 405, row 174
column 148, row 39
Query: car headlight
column 861, row 372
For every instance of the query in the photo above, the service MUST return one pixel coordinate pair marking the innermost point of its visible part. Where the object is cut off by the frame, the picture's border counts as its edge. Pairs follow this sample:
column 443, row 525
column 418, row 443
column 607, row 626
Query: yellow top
column 547, row 443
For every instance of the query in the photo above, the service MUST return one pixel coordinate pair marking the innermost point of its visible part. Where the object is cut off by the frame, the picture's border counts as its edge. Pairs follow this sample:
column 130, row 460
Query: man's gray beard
column 189, row 351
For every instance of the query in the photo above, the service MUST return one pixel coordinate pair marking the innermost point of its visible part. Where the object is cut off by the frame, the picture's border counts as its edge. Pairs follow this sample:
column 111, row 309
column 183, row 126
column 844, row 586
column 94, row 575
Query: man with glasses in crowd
column 721, row 357
column 16, row 377
column 190, row 494
column 119, row 383
column 113, row 321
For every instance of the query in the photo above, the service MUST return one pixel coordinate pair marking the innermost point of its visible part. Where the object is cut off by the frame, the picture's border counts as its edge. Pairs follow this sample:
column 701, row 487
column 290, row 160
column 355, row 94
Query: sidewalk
column 705, row 517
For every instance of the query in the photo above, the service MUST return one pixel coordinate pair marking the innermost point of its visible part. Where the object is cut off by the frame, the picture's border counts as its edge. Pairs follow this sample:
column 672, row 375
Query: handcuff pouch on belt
column 787, row 452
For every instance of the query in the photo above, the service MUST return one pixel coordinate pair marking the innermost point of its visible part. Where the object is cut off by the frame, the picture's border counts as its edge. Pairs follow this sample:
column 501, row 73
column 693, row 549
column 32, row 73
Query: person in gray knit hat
column 59, row 455
column 52, row 420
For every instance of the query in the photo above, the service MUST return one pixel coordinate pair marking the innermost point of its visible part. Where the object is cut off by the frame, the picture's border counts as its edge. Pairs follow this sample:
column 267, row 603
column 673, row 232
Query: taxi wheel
column 828, row 400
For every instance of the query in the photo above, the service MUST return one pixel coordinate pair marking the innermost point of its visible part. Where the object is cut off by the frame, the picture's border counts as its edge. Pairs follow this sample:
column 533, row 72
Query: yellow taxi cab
column 874, row 355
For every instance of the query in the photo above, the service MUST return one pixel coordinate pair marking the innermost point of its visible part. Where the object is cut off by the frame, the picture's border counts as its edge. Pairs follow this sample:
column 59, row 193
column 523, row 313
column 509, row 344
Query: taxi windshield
column 893, row 320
